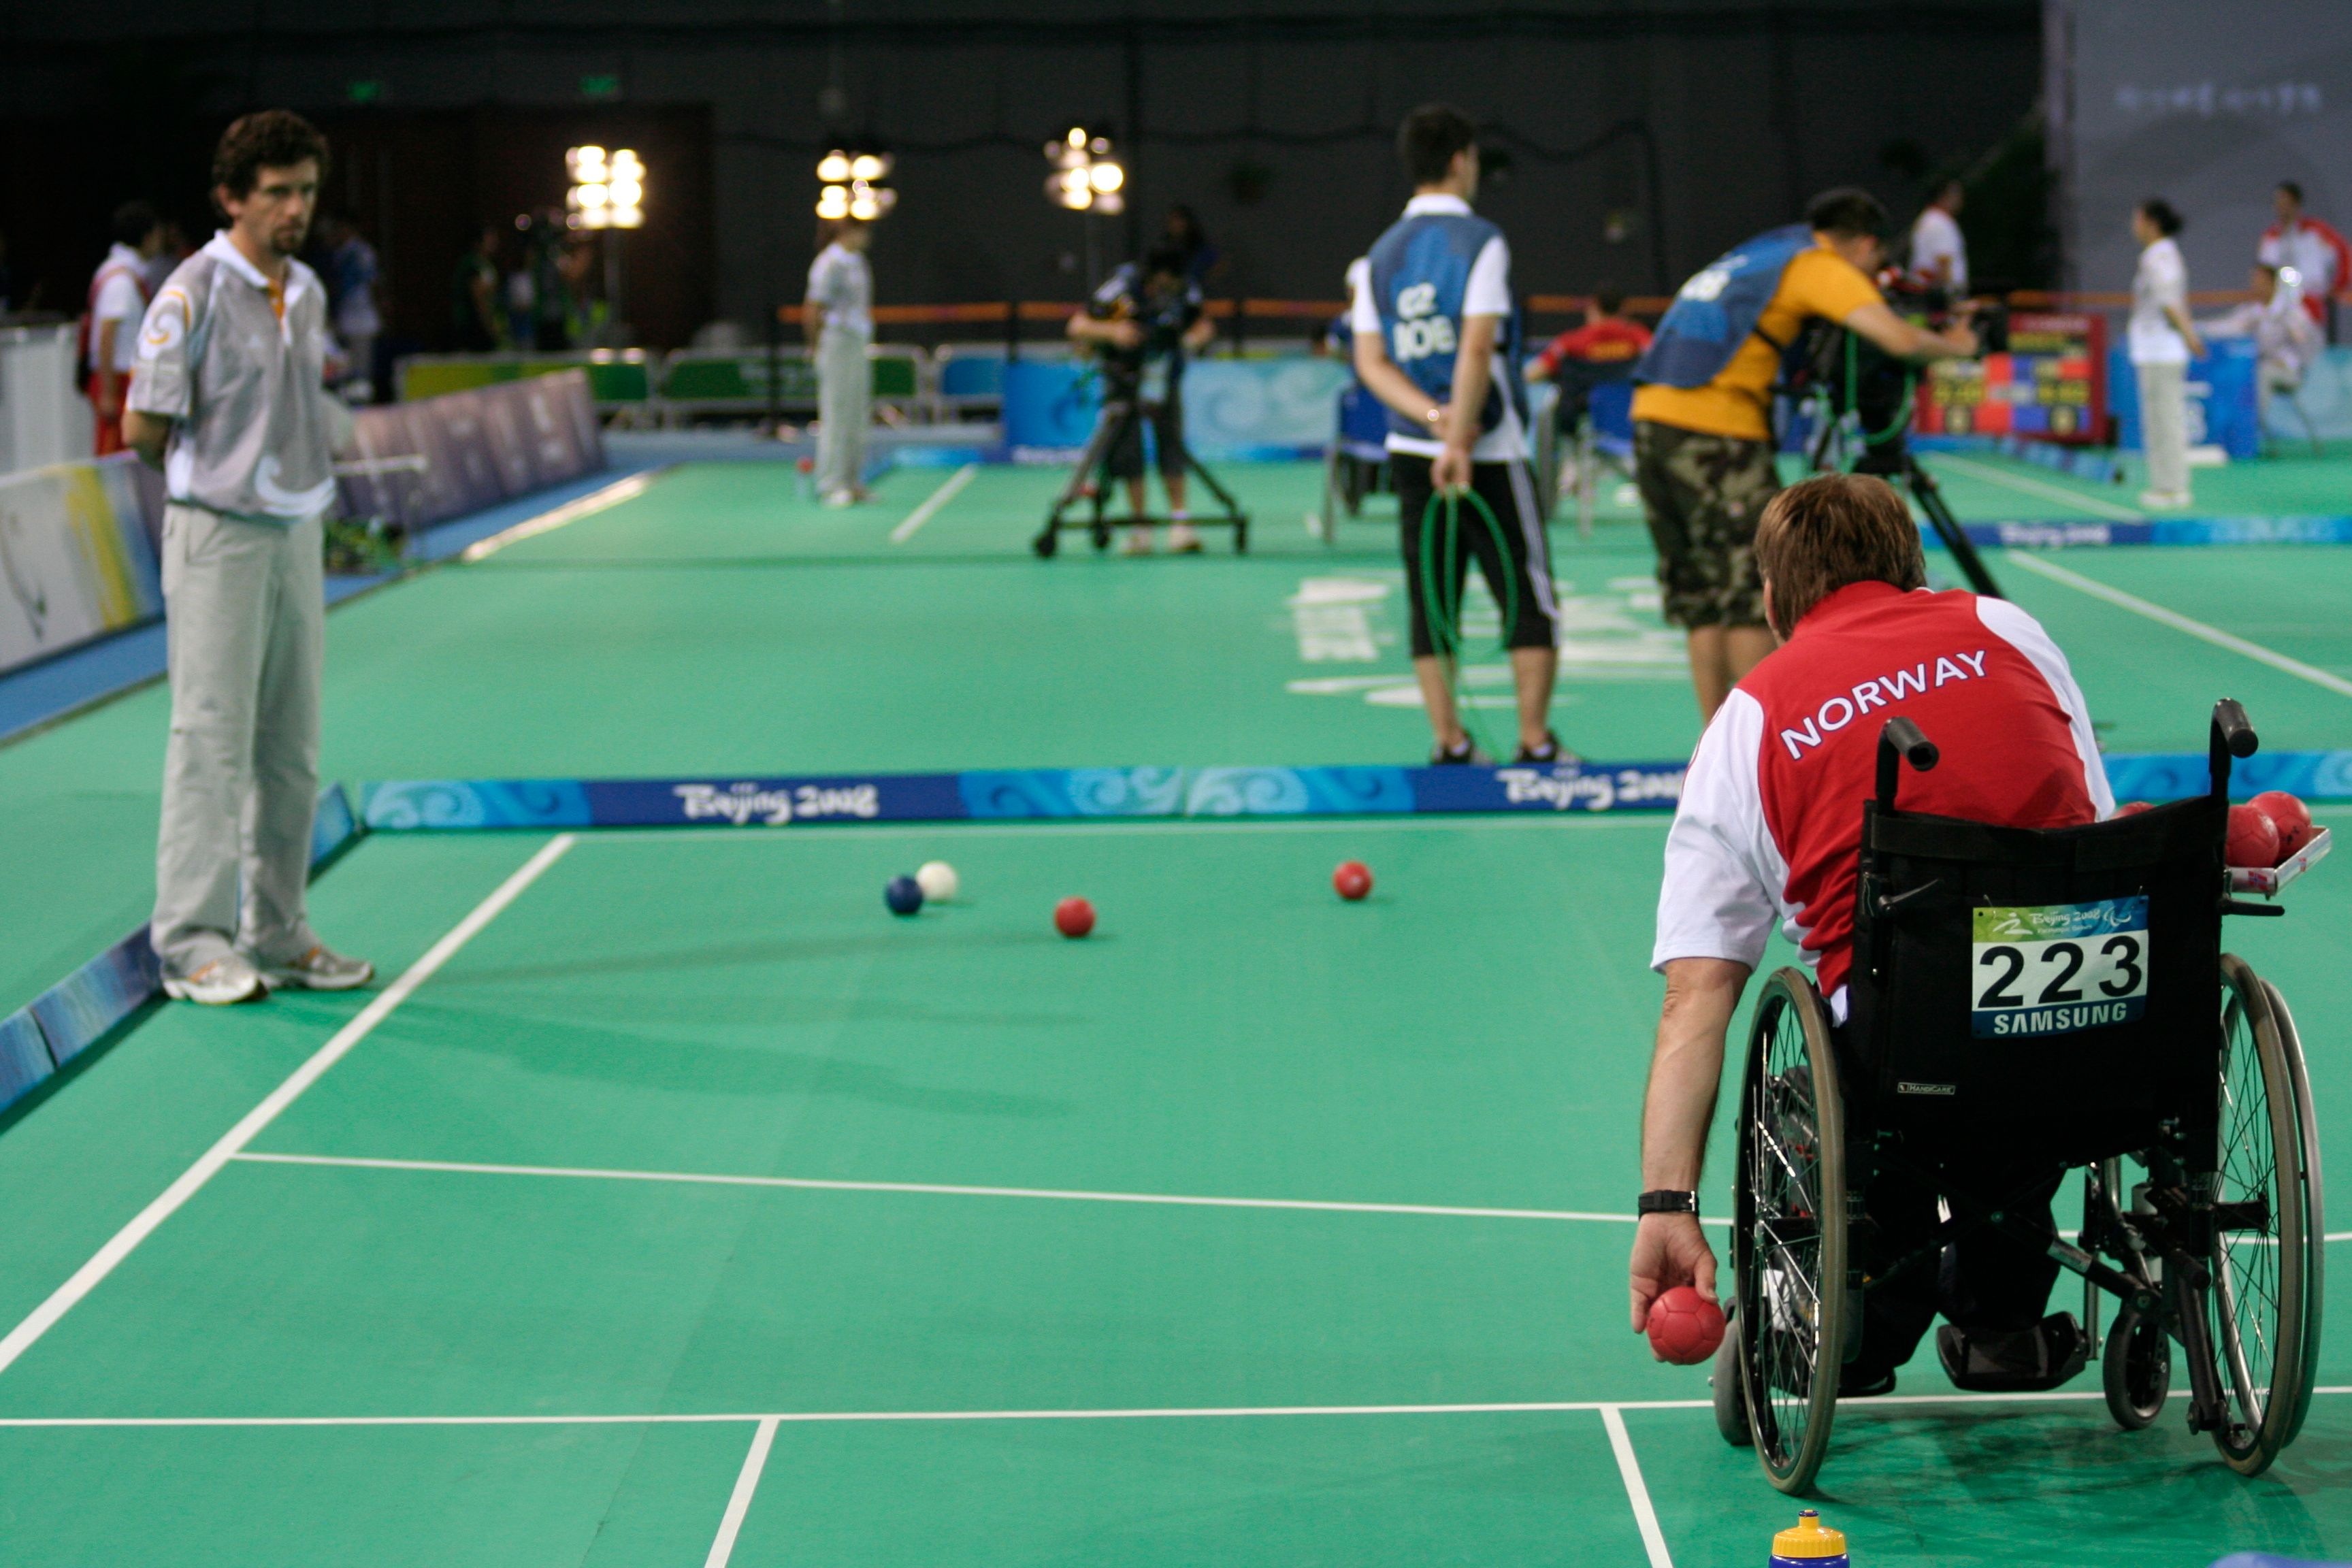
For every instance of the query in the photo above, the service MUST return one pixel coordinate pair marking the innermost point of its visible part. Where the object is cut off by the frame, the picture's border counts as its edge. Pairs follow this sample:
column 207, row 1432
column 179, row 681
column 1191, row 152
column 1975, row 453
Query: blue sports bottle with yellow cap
column 1809, row 1543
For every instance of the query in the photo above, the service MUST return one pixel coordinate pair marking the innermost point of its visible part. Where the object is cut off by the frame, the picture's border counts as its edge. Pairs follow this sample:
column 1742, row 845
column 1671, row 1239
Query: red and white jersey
column 2322, row 261
column 1770, row 821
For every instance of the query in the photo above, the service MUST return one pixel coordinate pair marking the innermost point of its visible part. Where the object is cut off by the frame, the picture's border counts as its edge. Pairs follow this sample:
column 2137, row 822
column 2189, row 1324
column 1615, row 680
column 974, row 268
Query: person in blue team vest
column 1703, row 414
column 1437, row 340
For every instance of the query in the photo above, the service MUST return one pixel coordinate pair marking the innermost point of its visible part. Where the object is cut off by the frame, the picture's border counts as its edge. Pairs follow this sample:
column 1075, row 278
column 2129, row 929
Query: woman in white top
column 839, row 321
column 2163, row 340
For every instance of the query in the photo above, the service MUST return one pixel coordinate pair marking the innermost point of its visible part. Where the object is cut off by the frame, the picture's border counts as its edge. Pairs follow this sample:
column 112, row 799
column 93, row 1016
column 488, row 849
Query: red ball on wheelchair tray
column 2254, row 837
column 2289, row 816
column 1684, row 1326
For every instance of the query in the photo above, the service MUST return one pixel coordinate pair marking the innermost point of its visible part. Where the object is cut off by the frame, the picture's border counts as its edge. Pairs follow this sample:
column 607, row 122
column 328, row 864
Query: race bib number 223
column 2052, row 969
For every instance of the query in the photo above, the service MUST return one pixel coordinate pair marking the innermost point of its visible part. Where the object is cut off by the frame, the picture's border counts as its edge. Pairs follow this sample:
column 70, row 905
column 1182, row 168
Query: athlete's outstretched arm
column 1686, row 1067
column 1905, row 340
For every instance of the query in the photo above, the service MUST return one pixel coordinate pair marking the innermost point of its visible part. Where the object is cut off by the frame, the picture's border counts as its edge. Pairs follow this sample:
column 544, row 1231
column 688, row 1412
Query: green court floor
column 673, row 1204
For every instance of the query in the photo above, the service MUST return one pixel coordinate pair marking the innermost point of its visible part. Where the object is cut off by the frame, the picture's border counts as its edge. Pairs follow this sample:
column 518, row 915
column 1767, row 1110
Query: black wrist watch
column 1663, row 1200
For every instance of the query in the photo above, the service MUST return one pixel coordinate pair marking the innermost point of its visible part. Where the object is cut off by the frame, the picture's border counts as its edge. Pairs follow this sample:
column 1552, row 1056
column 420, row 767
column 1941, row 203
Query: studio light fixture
column 607, row 189
column 851, row 185
column 1087, row 176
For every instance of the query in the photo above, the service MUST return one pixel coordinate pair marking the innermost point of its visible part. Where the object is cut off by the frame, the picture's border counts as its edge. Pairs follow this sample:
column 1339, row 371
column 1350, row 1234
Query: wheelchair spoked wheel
column 1789, row 1236
column 2265, row 1263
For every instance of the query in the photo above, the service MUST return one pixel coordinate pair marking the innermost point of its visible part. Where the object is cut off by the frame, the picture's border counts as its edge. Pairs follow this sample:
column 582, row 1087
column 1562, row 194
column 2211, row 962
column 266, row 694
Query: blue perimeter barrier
column 1059, row 793
column 88, row 1005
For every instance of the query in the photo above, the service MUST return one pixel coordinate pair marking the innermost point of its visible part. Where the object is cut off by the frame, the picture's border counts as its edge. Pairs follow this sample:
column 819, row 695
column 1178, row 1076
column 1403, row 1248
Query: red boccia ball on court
column 1684, row 1326
column 2289, row 816
column 1073, row 917
column 2254, row 837
column 1352, row 881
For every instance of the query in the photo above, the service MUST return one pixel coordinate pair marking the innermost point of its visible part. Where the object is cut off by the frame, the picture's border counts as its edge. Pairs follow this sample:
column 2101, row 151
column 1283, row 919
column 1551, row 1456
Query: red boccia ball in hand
column 1073, row 917
column 2289, row 816
column 2254, row 837
column 1352, row 881
column 1684, row 1326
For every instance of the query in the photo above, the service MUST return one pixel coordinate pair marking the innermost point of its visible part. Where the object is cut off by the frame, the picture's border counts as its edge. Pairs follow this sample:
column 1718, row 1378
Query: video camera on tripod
column 1859, row 400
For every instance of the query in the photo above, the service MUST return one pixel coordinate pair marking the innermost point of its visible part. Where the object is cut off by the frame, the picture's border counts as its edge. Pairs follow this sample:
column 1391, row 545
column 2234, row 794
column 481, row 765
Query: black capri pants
column 1519, row 574
column 1123, row 459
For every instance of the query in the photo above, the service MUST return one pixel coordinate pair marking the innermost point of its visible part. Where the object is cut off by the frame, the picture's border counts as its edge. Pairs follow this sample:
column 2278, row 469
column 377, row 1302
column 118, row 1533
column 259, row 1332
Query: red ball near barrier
column 1352, row 881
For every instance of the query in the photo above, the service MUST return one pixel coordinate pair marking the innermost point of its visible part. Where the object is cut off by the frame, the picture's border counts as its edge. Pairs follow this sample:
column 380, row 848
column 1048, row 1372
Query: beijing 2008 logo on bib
column 2052, row 969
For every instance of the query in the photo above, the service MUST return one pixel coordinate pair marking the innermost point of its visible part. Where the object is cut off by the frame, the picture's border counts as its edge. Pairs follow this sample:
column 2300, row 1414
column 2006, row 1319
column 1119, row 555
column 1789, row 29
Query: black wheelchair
column 2058, row 998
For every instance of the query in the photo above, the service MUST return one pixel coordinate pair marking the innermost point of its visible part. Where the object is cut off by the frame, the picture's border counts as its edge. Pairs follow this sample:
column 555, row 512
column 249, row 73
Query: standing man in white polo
column 228, row 401
column 839, row 321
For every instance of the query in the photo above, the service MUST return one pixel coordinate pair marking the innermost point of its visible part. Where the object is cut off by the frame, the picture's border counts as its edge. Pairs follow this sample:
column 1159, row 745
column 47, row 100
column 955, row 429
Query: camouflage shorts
column 1702, row 495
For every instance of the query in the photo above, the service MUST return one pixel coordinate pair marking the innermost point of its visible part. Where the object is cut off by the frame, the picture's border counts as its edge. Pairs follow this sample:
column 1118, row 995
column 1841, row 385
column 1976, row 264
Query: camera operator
column 1702, row 415
column 1140, row 324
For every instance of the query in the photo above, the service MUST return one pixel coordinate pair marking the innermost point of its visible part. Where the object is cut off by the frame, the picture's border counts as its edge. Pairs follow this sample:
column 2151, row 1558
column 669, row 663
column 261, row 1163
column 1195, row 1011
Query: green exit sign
column 363, row 91
column 600, row 86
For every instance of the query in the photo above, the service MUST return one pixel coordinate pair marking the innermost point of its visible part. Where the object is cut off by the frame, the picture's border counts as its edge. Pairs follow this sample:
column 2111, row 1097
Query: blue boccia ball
column 904, row 895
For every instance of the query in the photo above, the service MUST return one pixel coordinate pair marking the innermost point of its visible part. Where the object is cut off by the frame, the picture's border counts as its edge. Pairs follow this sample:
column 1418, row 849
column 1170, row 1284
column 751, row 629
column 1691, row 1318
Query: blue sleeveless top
column 1715, row 311
column 1420, row 275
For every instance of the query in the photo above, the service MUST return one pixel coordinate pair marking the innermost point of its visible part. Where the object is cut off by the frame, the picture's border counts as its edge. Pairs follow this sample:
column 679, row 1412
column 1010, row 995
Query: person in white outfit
column 2287, row 340
column 228, row 400
column 839, row 321
column 1939, row 255
column 2163, row 340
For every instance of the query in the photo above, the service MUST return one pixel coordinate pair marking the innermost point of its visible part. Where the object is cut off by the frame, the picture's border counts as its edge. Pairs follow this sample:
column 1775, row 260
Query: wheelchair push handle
column 2233, row 736
column 1901, row 741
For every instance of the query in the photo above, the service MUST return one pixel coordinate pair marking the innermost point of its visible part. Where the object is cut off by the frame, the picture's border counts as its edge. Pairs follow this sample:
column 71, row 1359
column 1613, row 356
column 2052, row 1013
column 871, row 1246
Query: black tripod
column 1119, row 421
column 1890, row 457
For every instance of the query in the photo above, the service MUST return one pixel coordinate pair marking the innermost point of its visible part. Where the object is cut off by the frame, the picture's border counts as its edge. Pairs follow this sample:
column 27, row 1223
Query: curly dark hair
column 273, row 139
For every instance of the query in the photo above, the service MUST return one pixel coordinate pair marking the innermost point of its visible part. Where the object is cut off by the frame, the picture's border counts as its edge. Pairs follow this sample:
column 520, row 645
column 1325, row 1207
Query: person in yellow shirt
column 1703, row 447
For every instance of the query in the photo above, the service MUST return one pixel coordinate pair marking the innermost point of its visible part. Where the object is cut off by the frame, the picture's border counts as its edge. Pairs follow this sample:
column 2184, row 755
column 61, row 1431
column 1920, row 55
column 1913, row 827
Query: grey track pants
column 247, row 632
column 2164, row 424
column 845, row 400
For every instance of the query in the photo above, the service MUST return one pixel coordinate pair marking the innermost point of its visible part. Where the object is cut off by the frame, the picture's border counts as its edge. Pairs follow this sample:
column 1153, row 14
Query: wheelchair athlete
column 1770, row 826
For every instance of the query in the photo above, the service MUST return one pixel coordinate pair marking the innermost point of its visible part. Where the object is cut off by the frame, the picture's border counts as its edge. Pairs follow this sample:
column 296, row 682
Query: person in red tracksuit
column 1770, row 829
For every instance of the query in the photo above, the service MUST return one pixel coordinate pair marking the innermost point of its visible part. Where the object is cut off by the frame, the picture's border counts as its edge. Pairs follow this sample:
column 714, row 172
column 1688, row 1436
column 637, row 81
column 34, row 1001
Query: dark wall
column 1693, row 124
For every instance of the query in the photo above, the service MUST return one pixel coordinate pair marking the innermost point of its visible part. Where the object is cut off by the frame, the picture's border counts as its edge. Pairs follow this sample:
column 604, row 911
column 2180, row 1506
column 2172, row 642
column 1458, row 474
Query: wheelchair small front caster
column 2136, row 1368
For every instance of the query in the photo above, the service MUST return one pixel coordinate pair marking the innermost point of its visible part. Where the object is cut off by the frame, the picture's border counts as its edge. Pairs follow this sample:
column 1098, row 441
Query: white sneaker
column 1183, row 541
column 841, row 497
column 2164, row 500
column 1138, row 541
column 321, row 969
column 222, row 982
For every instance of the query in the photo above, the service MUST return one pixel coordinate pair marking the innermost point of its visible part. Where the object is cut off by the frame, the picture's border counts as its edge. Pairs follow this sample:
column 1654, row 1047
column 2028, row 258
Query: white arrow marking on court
column 42, row 1318
column 2181, row 623
column 931, row 504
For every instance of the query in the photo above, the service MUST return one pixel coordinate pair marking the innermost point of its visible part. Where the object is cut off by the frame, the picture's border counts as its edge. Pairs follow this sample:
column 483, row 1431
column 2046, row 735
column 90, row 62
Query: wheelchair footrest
column 2013, row 1360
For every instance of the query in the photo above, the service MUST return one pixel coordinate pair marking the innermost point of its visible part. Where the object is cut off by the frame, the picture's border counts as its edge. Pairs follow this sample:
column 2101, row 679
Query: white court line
column 940, row 1189
column 1169, row 1413
column 2181, row 623
column 2104, row 508
column 739, row 1501
column 931, row 504
column 1637, row 1491
column 595, row 501
column 61, row 1301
